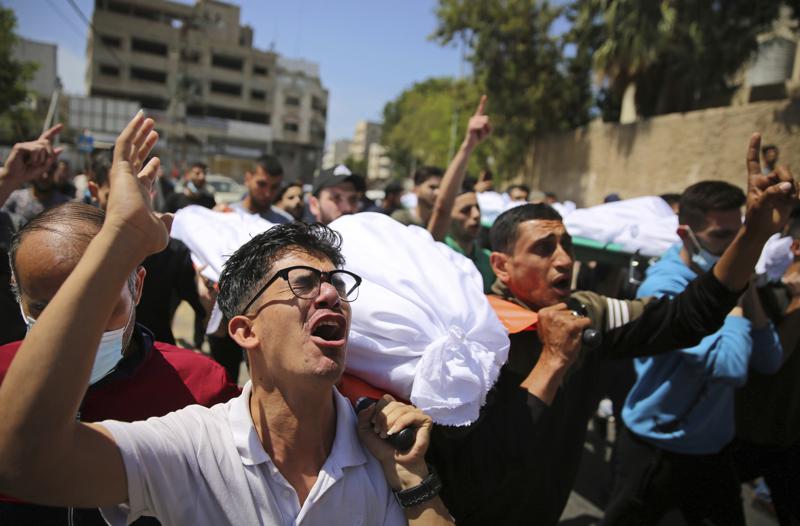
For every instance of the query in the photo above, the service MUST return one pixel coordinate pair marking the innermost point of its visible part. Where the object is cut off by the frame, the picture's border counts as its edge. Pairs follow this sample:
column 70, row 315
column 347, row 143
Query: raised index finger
column 481, row 106
column 49, row 135
column 754, row 155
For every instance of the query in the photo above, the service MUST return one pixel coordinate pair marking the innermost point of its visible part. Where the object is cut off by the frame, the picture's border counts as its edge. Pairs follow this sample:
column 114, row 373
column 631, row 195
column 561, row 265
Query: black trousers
column 780, row 467
column 649, row 482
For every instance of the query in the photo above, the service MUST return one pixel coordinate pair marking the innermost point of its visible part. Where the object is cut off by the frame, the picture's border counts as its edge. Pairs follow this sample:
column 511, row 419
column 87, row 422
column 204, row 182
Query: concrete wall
column 663, row 154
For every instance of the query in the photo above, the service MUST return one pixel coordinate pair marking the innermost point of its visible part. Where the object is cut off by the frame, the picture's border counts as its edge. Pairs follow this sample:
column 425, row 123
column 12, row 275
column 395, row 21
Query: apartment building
column 214, row 96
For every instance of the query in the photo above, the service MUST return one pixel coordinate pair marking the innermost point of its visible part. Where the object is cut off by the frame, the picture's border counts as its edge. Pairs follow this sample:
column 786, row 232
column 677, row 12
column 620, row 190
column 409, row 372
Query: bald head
column 46, row 250
column 54, row 241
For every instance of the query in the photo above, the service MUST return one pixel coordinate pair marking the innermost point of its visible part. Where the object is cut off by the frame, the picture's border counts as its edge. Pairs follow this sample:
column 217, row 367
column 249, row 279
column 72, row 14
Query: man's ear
column 240, row 329
column 140, row 275
column 499, row 262
column 313, row 206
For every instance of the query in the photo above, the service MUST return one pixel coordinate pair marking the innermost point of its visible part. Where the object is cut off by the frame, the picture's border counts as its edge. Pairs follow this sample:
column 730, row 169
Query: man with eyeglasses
column 285, row 452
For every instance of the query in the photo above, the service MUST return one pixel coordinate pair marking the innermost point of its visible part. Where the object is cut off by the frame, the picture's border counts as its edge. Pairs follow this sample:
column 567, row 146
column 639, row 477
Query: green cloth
column 479, row 256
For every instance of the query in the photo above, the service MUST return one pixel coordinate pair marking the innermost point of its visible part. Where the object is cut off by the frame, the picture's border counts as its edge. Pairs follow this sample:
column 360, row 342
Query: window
column 291, row 127
column 149, row 75
column 260, row 70
column 231, row 63
column 255, row 116
column 292, row 101
column 225, row 88
column 109, row 41
column 109, row 70
column 258, row 94
column 149, row 46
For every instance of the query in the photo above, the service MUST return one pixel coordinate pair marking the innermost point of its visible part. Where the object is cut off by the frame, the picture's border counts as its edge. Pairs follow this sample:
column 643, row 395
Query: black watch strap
column 423, row 492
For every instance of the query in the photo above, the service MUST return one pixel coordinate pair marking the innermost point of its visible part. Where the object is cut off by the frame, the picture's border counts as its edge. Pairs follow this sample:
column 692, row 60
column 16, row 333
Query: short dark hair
column 768, row 147
column 270, row 164
column 199, row 164
column 707, row 196
column 64, row 220
column 468, row 185
column 394, row 187
column 504, row 232
column 101, row 166
column 671, row 198
column 250, row 266
column 423, row 173
column 522, row 187
column 286, row 187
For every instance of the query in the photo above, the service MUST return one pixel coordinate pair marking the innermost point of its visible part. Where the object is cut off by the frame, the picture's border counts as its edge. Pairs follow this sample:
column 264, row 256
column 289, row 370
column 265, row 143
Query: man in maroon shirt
column 134, row 377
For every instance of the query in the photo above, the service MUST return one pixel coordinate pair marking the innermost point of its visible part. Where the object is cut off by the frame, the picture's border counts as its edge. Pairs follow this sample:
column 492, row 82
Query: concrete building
column 379, row 165
column 336, row 153
column 44, row 55
column 367, row 133
column 214, row 96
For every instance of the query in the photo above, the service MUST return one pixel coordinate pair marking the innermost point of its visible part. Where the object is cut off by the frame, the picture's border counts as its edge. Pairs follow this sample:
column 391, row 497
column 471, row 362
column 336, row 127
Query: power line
column 97, row 39
column 67, row 19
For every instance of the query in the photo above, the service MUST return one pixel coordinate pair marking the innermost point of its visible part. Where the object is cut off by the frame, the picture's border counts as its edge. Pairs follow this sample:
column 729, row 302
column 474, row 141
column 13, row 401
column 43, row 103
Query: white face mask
column 109, row 352
column 704, row 259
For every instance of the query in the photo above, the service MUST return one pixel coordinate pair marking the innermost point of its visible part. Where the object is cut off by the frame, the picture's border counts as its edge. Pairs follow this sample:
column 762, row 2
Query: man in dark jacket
column 518, row 462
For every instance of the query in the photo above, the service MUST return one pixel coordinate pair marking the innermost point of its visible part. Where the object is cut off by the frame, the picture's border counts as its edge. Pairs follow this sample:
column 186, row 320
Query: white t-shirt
column 207, row 466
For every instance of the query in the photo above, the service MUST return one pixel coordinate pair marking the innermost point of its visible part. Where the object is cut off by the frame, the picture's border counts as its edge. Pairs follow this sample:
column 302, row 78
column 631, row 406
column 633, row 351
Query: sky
column 368, row 51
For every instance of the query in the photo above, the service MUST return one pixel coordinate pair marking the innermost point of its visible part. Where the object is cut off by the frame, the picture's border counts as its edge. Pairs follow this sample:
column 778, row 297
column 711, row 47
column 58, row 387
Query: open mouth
column 329, row 330
column 563, row 285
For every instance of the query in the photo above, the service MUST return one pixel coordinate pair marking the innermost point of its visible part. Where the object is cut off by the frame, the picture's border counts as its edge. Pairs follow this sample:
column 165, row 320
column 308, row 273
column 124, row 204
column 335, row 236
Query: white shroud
column 421, row 327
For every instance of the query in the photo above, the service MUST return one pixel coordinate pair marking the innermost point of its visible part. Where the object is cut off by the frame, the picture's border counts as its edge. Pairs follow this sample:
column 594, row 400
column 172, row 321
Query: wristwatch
column 422, row 492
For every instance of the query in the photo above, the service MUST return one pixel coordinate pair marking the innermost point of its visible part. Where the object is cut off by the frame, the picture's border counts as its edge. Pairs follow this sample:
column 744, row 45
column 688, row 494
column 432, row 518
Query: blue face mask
column 109, row 352
column 701, row 257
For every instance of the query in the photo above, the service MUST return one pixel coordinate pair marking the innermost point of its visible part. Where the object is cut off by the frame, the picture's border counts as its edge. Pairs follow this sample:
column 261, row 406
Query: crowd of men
column 105, row 419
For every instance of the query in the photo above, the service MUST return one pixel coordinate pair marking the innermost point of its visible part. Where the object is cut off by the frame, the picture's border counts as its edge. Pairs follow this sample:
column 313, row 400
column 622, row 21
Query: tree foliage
column 681, row 55
column 13, row 74
column 417, row 125
column 17, row 120
column 533, row 85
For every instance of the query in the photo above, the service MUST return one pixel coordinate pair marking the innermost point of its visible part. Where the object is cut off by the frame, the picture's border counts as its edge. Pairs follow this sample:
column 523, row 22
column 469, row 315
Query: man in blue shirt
column 679, row 415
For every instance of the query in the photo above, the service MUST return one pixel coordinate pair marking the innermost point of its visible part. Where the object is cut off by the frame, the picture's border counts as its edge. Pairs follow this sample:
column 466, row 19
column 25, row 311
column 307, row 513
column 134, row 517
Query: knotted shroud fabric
column 422, row 327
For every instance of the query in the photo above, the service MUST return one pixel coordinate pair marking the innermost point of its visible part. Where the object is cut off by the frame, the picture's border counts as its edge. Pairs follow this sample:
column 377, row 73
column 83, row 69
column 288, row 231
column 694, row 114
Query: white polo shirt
column 207, row 466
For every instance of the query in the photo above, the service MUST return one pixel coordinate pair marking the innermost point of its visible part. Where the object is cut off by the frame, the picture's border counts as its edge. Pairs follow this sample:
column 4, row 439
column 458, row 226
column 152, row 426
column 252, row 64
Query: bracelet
column 422, row 492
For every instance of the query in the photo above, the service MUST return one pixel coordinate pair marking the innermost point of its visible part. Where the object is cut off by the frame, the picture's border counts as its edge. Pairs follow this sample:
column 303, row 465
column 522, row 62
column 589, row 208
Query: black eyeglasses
column 305, row 283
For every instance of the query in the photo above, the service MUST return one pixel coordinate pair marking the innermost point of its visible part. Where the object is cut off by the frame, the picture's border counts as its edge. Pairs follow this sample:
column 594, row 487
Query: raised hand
column 29, row 160
column 129, row 210
column 770, row 197
column 479, row 126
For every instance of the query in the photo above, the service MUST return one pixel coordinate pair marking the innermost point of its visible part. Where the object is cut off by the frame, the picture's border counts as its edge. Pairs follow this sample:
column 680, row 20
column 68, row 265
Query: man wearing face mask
column 133, row 376
column 194, row 193
column 678, row 418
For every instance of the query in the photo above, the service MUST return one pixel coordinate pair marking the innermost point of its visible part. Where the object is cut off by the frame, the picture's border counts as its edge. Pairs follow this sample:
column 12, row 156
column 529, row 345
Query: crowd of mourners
column 105, row 419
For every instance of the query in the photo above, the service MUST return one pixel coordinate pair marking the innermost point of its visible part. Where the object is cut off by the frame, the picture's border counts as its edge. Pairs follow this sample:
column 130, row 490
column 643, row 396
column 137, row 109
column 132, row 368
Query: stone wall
column 662, row 154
